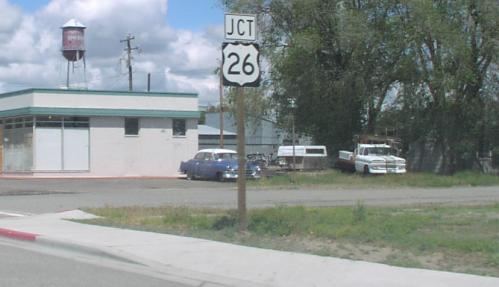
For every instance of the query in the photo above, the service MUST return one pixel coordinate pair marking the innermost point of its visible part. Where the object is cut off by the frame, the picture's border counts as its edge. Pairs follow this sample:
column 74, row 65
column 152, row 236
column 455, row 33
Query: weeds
column 359, row 212
column 466, row 235
column 224, row 221
column 411, row 179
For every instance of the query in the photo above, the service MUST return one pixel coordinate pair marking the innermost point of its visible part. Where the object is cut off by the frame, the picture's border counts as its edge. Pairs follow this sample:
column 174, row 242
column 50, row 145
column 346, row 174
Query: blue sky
column 194, row 14
column 182, row 14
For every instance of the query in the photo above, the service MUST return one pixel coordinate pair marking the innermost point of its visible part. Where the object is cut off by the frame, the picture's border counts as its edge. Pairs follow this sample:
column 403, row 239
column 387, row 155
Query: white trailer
column 305, row 157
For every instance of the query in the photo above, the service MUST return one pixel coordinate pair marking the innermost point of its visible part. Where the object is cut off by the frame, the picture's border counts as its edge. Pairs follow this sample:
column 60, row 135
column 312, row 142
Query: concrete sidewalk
column 223, row 264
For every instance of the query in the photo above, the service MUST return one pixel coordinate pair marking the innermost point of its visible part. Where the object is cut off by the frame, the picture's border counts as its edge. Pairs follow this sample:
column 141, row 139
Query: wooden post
column 148, row 82
column 1, row 148
column 241, row 153
column 67, row 77
column 221, row 106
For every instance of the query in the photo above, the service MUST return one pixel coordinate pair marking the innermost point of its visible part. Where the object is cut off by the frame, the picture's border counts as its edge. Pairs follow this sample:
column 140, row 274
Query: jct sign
column 241, row 65
column 240, row 27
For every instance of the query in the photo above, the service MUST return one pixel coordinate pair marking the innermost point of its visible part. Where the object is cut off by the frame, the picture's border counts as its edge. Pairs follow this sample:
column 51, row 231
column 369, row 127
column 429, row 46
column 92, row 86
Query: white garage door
column 58, row 149
column 48, row 149
column 75, row 149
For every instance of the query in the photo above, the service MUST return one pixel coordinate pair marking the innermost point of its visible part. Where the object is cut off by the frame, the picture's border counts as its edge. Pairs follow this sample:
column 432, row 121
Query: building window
column 17, row 144
column 131, row 126
column 76, row 122
column 179, row 127
column 48, row 122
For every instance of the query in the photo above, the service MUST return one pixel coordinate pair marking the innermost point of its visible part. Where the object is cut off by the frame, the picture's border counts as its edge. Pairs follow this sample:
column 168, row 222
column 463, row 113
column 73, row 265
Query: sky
column 178, row 43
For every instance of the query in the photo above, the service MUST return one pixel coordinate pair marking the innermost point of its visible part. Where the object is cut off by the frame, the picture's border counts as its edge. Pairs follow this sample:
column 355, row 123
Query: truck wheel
column 366, row 170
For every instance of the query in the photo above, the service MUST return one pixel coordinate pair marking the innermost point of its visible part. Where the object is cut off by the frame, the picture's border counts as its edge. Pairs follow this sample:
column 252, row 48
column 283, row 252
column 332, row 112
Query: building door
column 48, row 149
column 62, row 150
column 75, row 148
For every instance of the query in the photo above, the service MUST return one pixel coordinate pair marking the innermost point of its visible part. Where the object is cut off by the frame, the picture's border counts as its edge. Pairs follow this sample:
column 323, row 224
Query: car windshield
column 379, row 151
column 225, row 156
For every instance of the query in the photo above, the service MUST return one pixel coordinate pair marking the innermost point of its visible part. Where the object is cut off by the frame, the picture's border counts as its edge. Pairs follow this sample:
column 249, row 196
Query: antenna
column 129, row 50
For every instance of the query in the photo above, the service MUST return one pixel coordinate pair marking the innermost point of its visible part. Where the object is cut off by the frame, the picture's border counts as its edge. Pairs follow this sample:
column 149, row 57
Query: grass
column 461, row 239
column 411, row 179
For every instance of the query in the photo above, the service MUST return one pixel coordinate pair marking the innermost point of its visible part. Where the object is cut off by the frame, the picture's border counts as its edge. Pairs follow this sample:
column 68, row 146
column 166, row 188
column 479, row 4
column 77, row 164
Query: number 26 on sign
column 241, row 64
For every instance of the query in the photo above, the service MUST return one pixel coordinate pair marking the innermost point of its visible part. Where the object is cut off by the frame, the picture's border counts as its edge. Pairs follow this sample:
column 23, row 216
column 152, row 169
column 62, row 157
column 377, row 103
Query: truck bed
column 345, row 161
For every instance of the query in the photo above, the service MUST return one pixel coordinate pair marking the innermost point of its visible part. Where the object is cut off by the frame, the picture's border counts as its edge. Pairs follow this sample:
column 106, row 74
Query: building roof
column 65, row 102
column 98, row 92
column 207, row 130
column 248, row 116
column 217, row 150
column 85, row 112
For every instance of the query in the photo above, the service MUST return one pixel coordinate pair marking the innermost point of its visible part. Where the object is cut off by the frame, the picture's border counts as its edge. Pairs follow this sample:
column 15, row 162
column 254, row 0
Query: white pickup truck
column 371, row 158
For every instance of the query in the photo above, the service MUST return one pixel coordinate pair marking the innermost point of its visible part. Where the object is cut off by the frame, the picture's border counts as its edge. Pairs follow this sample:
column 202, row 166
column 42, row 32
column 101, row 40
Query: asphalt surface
column 26, row 268
column 55, row 195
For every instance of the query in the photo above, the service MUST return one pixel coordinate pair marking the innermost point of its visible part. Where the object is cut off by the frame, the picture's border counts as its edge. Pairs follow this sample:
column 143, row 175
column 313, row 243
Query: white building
column 56, row 132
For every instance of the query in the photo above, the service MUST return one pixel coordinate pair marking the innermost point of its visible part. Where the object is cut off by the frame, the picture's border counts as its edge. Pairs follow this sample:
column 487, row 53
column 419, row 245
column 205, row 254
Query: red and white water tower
column 73, row 46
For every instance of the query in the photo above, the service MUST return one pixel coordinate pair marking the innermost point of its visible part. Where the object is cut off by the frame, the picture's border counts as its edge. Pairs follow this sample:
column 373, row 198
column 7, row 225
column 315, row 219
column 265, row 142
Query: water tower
column 73, row 45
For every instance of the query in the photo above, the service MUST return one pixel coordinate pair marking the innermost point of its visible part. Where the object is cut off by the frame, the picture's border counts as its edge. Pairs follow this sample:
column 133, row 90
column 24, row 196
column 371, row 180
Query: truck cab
column 377, row 159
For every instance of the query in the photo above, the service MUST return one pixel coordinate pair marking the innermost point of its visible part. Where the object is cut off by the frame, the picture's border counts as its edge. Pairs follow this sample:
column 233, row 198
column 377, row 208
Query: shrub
column 224, row 221
column 359, row 212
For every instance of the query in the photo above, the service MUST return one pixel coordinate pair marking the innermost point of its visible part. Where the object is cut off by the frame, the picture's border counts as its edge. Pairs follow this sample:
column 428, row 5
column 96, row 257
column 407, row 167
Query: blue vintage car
column 218, row 164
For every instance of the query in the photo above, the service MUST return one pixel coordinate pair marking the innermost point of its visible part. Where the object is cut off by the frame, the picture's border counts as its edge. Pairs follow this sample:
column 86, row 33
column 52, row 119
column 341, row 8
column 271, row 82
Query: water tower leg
column 85, row 72
column 67, row 77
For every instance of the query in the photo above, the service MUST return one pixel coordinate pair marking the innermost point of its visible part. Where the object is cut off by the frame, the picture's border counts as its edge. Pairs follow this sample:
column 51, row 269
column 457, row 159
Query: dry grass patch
column 460, row 239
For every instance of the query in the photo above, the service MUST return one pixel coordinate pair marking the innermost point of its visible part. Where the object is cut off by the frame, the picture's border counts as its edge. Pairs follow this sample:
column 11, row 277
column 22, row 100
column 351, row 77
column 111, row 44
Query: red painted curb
column 18, row 234
column 19, row 177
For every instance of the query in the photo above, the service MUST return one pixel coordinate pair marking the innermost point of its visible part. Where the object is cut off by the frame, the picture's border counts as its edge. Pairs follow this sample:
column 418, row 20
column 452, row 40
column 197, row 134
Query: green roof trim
column 45, row 111
column 99, row 93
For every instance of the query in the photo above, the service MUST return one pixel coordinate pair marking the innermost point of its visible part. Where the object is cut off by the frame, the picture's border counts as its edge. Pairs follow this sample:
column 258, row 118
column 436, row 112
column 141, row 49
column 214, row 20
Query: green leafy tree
column 331, row 57
column 453, row 44
column 425, row 67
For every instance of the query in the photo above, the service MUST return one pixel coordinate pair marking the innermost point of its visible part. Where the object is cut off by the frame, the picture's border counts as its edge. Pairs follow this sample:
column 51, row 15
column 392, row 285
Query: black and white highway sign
column 240, row 27
column 241, row 64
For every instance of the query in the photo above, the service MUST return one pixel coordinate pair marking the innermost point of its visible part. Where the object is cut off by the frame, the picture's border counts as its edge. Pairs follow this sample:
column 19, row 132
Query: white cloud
column 11, row 17
column 179, row 60
column 206, row 85
column 195, row 51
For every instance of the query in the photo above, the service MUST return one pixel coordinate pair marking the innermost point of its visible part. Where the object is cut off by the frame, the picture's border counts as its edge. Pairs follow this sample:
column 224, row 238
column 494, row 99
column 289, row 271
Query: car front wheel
column 220, row 177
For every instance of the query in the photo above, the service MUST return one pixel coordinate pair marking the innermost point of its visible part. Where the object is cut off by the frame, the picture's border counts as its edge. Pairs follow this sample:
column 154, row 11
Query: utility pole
column 221, row 90
column 129, row 50
column 148, row 82
column 241, row 155
column 293, row 106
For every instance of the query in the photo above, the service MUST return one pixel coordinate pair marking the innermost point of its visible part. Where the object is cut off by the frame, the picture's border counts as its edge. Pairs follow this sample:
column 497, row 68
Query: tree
column 331, row 57
column 452, row 44
column 427, row 67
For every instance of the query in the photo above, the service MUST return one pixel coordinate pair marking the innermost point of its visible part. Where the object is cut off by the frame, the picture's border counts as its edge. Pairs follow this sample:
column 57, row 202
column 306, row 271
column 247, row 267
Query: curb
column 22, row 177
column 176, row 274
column 82, row 248
column 19, row 235
column 183, row 276
column 55, row 243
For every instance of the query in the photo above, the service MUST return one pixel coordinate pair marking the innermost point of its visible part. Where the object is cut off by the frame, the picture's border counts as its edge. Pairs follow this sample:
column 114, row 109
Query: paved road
column 54, row 195
column 25, row 268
